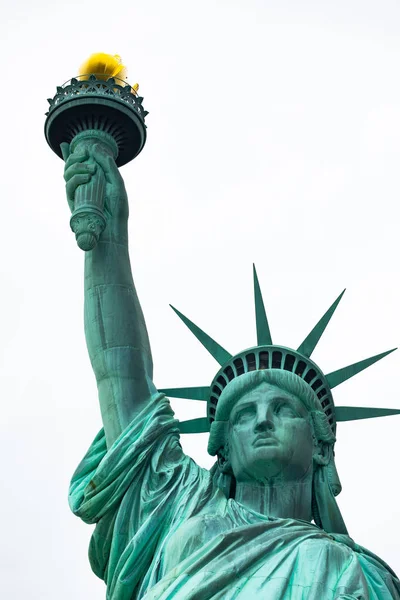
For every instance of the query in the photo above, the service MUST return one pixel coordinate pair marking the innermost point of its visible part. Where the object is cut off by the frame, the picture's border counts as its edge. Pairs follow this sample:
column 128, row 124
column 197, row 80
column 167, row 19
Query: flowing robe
column 164, row 531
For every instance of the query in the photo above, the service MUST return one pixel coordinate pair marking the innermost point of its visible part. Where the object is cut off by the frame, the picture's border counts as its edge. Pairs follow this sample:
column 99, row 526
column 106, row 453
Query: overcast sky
column 274, row 138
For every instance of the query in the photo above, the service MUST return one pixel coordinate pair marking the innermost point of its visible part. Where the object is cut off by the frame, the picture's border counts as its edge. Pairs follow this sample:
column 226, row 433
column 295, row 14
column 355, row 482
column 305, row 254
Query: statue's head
column 269, row 427
column 271, row 414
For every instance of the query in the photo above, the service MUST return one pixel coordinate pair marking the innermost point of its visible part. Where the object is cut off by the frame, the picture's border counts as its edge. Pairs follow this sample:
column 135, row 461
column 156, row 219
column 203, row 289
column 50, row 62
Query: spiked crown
column 267, row 355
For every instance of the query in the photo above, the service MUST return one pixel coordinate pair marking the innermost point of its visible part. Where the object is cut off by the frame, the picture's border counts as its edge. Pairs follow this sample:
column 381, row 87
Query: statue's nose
column 265, row 422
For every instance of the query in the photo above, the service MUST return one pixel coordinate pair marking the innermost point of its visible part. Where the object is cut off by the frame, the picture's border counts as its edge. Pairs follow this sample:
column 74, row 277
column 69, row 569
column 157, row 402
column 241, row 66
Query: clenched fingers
column 107, row 163
column 78, row 168
column 76, row 158
column 73, row 183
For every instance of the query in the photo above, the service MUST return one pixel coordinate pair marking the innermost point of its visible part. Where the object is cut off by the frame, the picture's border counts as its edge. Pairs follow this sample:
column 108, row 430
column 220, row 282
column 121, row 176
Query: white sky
column 273, row 137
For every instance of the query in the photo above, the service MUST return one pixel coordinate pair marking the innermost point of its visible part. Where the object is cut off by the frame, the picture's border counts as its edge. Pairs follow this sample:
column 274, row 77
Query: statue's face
column 271, row 436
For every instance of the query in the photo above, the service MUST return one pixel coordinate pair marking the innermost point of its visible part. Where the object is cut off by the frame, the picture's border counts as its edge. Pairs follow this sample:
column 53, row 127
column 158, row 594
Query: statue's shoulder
column 367, row 560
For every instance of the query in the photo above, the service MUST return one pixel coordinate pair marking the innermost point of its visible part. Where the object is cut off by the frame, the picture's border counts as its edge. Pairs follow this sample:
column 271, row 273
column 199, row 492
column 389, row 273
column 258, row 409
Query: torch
column 96, row 107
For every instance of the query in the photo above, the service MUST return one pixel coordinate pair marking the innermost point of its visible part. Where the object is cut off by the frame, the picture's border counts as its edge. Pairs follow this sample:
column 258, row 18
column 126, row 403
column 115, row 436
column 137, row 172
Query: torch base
column 87, row 223
column 109, row 115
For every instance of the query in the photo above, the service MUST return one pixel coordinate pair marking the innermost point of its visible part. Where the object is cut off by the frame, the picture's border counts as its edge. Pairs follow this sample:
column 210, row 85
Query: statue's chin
column 266, row 466
column 269, row 456
column 267, row 462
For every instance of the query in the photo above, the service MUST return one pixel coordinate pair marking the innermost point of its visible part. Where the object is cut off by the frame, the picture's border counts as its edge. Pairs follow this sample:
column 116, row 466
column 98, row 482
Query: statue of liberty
column 264, row 521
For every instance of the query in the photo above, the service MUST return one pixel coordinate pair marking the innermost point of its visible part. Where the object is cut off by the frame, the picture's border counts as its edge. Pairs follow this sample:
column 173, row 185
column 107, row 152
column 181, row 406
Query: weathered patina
column 264, row 522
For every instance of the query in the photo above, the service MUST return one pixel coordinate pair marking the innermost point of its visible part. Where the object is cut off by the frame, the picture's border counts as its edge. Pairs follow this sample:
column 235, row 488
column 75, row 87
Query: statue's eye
column 285, row 410
column 245, row 414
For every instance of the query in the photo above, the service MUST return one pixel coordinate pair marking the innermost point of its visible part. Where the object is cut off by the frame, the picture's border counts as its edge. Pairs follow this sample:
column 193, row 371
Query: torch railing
column 95, row 84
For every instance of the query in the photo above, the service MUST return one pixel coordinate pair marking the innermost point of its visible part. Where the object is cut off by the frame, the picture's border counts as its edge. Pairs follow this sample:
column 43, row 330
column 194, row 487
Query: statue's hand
column 78, row 171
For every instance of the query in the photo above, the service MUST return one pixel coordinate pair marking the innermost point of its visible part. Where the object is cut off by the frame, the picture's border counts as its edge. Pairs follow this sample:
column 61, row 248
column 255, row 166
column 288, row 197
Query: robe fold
column 164, row 531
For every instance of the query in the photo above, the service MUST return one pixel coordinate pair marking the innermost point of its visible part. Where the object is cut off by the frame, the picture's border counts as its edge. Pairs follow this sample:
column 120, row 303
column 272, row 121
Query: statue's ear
column 322, row 453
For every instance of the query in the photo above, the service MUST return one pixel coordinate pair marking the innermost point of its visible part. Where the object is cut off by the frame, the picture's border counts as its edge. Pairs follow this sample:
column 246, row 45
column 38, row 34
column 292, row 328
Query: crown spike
column 337, row 377
column 189, row 393
column 194, row 426
column 308, row 346
column 217, row 351
column 263, row 332
column 353, row 413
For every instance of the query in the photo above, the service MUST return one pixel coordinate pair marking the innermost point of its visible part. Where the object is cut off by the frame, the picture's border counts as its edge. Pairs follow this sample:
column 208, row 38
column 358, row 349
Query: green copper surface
column 278, row 357
column 264, row 521
column 200, row 425
column 217, row 351
column 354, row 413
column 88, row 220
column 263, row 332
column 308, row 346
column 337, row 377
column 190, row 393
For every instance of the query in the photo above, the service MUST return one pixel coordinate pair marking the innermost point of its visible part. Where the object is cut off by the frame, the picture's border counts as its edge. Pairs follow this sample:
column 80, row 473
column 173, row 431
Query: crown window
column 301, row 365
column 251, row 361
column 276, row 360
column 264, row 359
column 310, row 375
column 229, row 373
column 289, row 362
column 239, row 366
column 221, row 381
column 316, row 384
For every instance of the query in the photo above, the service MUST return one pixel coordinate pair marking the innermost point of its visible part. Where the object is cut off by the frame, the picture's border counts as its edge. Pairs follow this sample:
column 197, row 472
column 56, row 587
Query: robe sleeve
column 377, row 580
column 134, row 493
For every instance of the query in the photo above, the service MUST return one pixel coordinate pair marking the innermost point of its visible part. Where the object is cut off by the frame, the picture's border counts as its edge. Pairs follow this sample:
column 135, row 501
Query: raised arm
column 115, row 329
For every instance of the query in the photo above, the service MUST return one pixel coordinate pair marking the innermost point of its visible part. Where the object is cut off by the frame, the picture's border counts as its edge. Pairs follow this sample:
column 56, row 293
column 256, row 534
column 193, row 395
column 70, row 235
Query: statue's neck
column 285, row 500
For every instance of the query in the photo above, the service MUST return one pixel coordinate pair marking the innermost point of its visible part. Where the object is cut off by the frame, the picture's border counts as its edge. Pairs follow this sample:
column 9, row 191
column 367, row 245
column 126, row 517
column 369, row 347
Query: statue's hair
column 247, row 382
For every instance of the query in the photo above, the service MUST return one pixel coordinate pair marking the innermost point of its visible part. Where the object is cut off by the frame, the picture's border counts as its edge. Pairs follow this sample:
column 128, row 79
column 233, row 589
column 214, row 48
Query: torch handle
column 88, row 220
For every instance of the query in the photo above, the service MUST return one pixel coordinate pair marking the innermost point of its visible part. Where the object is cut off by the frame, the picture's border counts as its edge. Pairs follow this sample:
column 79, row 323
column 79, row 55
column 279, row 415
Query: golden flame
column 105, row 66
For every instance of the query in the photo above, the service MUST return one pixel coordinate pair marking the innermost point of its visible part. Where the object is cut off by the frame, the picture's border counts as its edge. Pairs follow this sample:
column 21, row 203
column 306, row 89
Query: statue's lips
column 263, row 440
